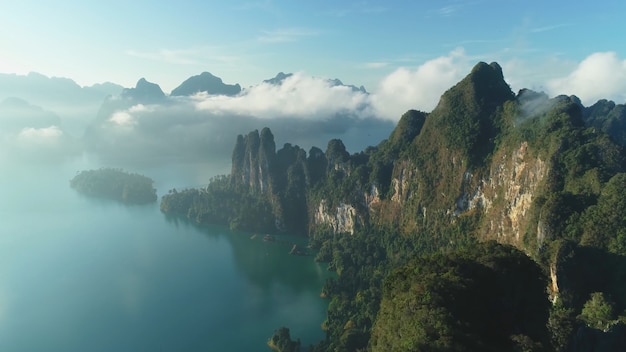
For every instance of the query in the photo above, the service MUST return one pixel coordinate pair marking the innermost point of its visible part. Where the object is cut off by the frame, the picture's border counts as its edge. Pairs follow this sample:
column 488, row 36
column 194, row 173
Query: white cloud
column 38, row 142
column 40, row 135
column 299, row 96
column 123, row 118
column 520, row 73
column 419, row 88
column 601, row 75
column 129, row 117
column 141, row 108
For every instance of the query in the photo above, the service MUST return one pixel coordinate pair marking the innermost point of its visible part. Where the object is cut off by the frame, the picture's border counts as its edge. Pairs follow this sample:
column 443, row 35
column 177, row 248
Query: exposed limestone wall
column 506, row 195
column 342, row 219
column 372, row 198
column 554, row 284
column 252, row 160
column 400, row 183
column 263, row 172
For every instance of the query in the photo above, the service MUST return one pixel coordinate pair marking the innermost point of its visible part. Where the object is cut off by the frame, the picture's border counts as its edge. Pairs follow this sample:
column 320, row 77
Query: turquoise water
column 79, row 274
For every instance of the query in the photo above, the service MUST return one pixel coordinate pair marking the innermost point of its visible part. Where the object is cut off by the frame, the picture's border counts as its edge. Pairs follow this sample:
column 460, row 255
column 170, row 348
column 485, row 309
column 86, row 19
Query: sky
column 554, row 46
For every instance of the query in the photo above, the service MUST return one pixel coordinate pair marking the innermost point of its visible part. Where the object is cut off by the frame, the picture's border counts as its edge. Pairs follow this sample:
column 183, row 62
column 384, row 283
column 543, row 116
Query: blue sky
column 555, row 46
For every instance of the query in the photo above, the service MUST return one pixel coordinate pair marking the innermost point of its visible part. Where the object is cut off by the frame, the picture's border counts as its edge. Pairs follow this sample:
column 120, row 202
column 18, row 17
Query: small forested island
column 116, row 184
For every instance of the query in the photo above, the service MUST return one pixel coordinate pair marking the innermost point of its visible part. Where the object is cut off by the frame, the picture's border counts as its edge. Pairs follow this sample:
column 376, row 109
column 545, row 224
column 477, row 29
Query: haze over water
column 81, row 274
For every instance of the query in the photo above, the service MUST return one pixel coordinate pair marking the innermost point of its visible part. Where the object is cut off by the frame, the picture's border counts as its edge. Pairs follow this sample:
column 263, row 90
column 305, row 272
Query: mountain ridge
column 144, row 92
column 207, row 83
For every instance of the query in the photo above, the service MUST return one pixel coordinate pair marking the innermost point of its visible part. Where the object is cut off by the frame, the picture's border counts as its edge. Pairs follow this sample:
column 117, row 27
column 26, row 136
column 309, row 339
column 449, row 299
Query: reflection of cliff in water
column 268, row 263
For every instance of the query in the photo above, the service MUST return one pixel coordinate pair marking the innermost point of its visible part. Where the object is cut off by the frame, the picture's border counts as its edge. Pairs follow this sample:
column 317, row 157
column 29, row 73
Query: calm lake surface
column 80, row 274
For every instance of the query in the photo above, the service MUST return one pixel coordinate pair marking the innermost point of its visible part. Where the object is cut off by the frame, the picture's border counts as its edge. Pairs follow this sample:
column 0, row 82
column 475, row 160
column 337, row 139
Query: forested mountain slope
column 537, row 175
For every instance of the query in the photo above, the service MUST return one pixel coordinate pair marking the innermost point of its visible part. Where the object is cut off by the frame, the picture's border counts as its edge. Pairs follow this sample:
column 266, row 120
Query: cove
column 82, row 274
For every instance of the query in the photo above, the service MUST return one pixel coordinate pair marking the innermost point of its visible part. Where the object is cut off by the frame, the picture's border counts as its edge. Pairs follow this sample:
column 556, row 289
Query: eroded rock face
column 342, row 219
column 252, row 160
column 503, row 195
column 372, row 197
column 506, row 195
column 400, row 184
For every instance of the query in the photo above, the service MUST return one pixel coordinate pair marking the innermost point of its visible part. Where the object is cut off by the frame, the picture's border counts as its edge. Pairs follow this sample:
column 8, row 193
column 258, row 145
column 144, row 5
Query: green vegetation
column 115, row 184
column 417, row 270
column 477, row 299
column 281, row 341
column 597, row 312
column 221, row 203
column 609, row 118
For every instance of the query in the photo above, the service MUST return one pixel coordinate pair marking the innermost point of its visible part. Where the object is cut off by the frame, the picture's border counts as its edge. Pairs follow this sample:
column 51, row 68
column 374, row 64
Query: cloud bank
column 599, row 76
column 419, row 88
column 299, row 96
column 205, row 127
column 28, row 132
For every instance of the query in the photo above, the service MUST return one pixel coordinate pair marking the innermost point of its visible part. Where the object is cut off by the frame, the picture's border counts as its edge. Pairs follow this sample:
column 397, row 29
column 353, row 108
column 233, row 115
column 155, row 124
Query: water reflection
column 267, row 263
column 81, row 274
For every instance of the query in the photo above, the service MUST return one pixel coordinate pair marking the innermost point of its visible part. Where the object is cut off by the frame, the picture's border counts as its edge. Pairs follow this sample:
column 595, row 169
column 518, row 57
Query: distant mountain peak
column 467, row 114
column 278, row 79
column 485, row 84
column 281, row 76
column 207, row 83
column 144, row 91
column 492, row 67
column 337, row 82
column 209, row 74
column 14, row 102
column 17, row 113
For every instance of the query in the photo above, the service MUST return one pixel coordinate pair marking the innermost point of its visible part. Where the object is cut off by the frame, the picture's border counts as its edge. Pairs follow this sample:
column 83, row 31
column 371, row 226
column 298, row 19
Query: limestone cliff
column 341, row 219
column 253, row 157
column 505, row 196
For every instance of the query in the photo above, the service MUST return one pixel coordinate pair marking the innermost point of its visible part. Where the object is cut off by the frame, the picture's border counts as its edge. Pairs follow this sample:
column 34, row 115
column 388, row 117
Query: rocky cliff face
column 252, row 160
column 485, row 162
column 505, row 196
column 341, row 219
column 469, row 163
column 432, row 158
